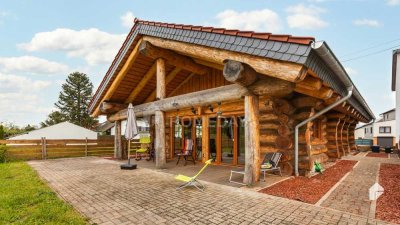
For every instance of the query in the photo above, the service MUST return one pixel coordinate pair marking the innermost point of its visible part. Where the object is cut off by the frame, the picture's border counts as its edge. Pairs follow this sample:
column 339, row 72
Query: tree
column 53, row 118
column 1, row 132
column 74, row 99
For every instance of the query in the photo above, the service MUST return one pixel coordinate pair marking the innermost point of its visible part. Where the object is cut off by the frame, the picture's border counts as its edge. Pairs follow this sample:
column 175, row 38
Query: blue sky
column 41, row 42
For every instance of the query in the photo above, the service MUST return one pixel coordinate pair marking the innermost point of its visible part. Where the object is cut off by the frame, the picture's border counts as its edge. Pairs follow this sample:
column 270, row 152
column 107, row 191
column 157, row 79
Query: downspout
column 323, row 111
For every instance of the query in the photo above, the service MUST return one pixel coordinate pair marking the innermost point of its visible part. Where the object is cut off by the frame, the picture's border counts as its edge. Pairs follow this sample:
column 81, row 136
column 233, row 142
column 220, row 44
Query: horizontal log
column 265, row 86
column 239, row 73
column 323, row 93
column 147, row 49
column 310, row 83
column 264, row 117
column 292, row 72
column 111, row 107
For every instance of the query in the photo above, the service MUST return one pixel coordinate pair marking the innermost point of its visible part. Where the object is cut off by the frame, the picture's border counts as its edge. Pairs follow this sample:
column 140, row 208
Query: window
column 317, row 129
column 365, row 130
column 371, row 130
column 385, row 130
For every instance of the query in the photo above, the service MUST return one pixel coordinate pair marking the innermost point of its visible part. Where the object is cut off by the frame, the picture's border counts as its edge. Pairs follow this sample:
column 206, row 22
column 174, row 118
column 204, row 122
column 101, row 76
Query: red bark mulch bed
column 312, row 189
column 378, row 155
column 388, row 204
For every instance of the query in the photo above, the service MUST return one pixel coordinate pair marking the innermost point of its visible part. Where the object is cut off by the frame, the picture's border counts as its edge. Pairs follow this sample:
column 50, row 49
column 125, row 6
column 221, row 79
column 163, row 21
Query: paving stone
column 107, row 195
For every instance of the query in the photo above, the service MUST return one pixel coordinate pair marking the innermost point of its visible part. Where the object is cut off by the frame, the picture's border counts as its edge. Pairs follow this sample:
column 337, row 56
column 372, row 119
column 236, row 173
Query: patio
column 106, row 195
column 218, row 174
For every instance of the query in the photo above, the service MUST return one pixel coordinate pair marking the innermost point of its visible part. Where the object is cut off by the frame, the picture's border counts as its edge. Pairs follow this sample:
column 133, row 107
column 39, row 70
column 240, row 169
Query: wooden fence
column 48, row 149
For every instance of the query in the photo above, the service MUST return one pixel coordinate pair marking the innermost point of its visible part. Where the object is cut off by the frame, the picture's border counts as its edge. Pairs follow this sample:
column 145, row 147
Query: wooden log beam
column 323, row 93
column 265, row 86
column 121, row 74
column 292, row 72
column 117, row 140
column 147, row 49
column 111, row 107
column 139, row 87
column 310, row 83
column 160, row 145
column 252, row 140
column 168, row 79
column 239, row 73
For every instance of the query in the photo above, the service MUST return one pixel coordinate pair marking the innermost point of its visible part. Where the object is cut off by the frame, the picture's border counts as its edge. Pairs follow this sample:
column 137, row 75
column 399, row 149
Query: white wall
column 63, row 130
column 398, row 98
column 360, row 133
column 390, row 123
column 139, row 123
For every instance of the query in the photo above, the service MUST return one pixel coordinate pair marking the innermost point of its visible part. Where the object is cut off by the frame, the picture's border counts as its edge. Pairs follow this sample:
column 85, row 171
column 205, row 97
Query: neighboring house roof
column 64, row 130
column 394, row 68
column 394, row 109
column 279, row 47
column 108, row 125
column 104, row 126
column 364, row 125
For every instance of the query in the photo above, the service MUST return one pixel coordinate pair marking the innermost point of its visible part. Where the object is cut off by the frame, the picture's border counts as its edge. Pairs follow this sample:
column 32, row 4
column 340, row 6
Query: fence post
column 42, row 144
column 86, row 147
column 45, row 147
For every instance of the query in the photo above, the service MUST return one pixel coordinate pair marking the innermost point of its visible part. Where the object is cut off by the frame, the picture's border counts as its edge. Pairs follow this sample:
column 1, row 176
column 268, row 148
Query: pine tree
column 2, row 133
column 53, row 118
column 74, row 99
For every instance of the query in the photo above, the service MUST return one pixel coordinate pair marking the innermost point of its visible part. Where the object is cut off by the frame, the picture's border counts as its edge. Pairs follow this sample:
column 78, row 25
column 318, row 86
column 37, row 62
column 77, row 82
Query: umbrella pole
column 129, row 152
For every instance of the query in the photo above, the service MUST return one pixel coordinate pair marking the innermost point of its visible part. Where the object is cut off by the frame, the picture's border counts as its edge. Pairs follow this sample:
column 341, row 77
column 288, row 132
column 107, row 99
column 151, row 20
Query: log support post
column 160, row 146
column 252, row 142
column 117, row 140
column 205, row 141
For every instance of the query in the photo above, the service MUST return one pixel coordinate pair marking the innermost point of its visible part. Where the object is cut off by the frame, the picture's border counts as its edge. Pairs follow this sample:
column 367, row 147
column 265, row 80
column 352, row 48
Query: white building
column 396, row 86
column 383, row 132
column 64, row 130
column 364, row 132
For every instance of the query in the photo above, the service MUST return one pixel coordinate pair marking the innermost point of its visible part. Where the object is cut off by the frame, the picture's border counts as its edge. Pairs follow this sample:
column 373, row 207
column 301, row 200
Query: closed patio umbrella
column 130, row 132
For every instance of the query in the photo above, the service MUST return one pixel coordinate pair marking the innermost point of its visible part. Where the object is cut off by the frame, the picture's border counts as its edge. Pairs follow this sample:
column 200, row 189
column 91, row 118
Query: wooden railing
column 48, row 149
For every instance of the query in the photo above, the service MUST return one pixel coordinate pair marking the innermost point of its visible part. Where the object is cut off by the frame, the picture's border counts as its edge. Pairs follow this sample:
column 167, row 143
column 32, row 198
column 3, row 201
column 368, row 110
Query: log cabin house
column 238, row 94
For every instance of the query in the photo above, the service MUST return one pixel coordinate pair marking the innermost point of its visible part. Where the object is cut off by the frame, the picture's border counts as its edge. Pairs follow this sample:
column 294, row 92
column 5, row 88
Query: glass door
column 240, row 142
column 227, row 140
column 199, row 136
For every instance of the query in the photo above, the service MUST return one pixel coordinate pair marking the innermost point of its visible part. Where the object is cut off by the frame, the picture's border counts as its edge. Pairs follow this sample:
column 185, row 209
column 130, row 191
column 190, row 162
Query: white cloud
column 22, row 98
column 351, row 71
column 264, row 20
column 93, row 45
column 127, row 19
column 31, row 64
column 393, row 2
column 367, row 22
column 305, row 17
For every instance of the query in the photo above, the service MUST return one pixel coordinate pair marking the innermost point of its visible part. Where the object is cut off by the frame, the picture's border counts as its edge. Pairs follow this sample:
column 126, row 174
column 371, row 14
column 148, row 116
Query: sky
column 41, row 42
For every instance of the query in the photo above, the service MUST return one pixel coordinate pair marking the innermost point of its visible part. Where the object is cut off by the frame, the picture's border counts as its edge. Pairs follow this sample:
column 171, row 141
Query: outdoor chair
column 144, row 149
column 274, row 161
column 192, row 181
column 267, row 159
column 187, row 152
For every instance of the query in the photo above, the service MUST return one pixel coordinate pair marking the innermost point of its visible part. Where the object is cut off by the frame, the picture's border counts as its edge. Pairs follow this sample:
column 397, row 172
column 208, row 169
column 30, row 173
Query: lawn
column 26, row 199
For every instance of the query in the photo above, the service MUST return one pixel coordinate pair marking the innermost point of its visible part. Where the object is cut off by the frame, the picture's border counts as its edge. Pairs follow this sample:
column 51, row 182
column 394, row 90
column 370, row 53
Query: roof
column 394, row 109
column 364, row 125
column 104, row 126
column 64, row 130
column 394, row 68
column 274, row 46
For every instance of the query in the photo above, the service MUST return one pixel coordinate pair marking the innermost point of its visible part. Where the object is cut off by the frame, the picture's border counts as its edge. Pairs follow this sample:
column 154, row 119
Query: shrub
column 3, row 153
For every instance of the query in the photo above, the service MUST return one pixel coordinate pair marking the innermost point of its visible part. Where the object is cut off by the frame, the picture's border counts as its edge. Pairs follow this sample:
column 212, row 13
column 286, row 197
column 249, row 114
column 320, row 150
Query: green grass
column 25, row 199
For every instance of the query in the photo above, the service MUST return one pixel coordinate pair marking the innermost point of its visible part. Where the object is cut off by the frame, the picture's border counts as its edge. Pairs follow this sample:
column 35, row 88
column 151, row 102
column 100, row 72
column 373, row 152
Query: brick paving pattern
column 107, row 195
column 352, row 194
